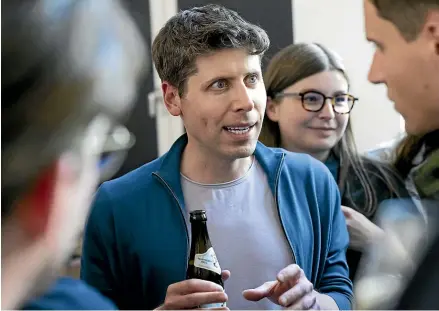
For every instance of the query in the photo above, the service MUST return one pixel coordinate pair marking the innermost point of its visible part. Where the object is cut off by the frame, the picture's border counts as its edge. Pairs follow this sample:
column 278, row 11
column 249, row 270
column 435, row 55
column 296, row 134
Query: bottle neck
column 200, row 232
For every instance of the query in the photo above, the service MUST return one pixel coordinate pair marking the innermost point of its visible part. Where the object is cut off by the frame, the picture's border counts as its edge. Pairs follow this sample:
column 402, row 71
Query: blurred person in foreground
column 69, row 72
column 406, row 60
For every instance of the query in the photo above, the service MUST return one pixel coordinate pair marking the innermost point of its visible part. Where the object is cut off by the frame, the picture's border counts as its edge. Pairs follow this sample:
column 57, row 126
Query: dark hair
column 201, row 31
column 56, row 73
column 297, row 62
column 407, row 15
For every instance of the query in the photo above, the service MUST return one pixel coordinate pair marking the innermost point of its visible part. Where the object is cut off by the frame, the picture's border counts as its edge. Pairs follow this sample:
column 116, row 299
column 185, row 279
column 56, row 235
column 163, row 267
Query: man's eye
column 252, row 79
column 219, row 85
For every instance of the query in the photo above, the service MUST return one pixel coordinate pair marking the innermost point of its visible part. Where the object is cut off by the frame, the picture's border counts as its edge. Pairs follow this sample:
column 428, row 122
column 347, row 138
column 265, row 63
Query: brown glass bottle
column 202, row 263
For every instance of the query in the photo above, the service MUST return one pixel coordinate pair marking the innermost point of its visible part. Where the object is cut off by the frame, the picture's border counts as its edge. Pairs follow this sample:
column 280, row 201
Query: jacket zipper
column 278, row 210
column 181, row 213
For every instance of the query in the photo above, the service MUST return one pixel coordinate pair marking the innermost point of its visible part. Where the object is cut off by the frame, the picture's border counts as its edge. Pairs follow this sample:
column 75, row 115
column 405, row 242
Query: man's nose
column 242, row 99
column 375, row 75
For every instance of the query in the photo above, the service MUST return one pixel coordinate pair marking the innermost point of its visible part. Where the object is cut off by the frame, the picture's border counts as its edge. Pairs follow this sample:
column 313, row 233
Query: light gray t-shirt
column 245, row 231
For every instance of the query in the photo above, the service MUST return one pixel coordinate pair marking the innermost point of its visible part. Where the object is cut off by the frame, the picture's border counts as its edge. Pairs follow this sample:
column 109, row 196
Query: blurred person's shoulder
column 70, row 294
column 385, row 151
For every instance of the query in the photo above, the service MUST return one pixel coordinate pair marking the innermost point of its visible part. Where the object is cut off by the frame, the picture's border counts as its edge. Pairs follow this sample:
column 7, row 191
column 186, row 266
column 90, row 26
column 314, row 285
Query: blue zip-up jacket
column 136, row 241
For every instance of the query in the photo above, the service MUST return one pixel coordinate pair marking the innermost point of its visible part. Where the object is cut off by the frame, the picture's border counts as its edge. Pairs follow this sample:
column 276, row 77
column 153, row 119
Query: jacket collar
column 270, row 160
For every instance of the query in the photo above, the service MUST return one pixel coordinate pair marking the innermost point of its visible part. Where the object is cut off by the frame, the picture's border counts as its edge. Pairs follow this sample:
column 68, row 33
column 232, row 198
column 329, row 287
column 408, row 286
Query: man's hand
column 190, row 294
column 361, row 230
column 291, row 290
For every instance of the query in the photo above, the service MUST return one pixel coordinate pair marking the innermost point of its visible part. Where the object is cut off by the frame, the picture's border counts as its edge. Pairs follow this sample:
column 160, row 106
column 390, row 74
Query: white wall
column 338, row 24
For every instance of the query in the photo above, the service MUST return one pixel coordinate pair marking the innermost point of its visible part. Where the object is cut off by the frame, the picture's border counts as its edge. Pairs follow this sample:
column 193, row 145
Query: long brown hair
column 297, row 62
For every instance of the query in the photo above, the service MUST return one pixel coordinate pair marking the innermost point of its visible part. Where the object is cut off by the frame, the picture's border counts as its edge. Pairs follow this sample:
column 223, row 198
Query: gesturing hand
column 291, row 290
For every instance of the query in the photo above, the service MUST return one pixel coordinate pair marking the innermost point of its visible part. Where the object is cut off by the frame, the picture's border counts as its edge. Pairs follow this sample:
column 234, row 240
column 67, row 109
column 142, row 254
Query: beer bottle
column 203, row 263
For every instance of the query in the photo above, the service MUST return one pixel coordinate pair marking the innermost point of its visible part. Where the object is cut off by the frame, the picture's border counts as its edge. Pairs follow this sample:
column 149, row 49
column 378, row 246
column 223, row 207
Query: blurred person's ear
column 35, row 211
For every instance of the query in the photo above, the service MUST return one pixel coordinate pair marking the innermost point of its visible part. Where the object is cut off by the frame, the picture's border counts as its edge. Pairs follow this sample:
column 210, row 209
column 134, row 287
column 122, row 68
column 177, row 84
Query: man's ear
column 171, row 98
column 272, row 110
column 33, row 211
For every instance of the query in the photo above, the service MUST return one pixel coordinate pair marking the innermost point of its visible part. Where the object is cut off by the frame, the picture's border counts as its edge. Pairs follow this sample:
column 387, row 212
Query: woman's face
column 315, row 133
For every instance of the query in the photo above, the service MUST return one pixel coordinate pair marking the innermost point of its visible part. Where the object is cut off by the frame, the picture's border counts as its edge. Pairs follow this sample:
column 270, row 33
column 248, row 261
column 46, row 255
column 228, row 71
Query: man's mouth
column 239, row 130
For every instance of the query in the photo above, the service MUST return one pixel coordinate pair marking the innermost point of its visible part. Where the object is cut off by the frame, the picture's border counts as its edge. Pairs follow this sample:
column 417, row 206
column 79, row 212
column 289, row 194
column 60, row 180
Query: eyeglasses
column 315, row 101
column 110, row 143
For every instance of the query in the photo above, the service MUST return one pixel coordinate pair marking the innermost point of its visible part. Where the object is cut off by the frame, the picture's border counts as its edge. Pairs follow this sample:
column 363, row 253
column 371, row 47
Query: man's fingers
column 290, row 275
column 225, row 275
column 296, row 293
column 193, row 286
column 223, row 308
column 260, row 292
column 194, row 300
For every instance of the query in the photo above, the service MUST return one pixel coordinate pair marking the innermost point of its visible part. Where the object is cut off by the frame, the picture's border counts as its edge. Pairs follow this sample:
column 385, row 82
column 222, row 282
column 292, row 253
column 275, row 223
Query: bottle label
column 207, row 261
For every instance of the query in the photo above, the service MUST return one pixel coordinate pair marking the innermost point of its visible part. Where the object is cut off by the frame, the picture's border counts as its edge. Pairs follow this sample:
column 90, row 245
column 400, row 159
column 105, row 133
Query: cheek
column 293, row 120
column 342, row 123
column 259, row 99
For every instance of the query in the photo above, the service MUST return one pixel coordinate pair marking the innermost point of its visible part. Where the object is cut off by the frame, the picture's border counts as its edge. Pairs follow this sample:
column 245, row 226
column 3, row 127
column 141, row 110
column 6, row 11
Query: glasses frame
column 325, row 98
column 110, row 141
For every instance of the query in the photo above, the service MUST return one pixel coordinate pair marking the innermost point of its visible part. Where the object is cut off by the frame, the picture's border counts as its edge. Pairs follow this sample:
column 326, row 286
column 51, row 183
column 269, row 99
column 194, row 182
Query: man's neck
column 203, row 167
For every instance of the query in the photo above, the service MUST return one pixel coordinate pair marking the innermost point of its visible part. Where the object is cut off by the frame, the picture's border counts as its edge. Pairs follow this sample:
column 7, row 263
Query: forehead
column 228, row 63
column 375, row 26
column 326, row 82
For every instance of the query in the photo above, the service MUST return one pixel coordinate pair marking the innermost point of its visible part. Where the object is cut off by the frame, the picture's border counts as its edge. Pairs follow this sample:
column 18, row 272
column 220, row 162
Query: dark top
column 422, row 292
column 357, row 196
column 70, row 294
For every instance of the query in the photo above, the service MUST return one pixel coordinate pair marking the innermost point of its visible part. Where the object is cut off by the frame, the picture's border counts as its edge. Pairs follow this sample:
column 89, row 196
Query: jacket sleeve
column 98, row 260
column 335, row 281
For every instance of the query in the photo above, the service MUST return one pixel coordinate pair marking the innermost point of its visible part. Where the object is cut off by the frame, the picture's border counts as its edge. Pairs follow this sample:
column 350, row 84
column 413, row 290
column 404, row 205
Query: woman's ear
column 272, row 110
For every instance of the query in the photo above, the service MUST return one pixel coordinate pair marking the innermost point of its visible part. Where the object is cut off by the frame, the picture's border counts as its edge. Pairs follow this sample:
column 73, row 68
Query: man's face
column 410, row 70
column 224, row 104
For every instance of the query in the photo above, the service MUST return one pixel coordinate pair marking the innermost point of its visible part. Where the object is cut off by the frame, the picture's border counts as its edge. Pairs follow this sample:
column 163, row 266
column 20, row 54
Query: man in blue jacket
column 274, row 217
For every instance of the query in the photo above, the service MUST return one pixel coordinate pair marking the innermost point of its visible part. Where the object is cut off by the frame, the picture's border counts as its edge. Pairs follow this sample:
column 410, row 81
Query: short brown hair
column 201, row 31
column 407, row 15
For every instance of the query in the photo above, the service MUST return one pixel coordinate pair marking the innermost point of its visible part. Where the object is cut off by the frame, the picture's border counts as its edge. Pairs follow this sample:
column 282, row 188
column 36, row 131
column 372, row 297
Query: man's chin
column 244, row 151
column 414, row 129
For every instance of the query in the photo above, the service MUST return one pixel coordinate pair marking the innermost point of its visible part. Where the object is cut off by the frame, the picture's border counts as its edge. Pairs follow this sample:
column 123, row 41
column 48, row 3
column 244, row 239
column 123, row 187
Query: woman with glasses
column 308, row 109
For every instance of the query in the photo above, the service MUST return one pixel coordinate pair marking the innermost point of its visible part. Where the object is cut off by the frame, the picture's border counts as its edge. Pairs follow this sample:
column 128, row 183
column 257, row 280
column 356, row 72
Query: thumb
column 260, row 292
column 225, row 275
column 347, row 212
